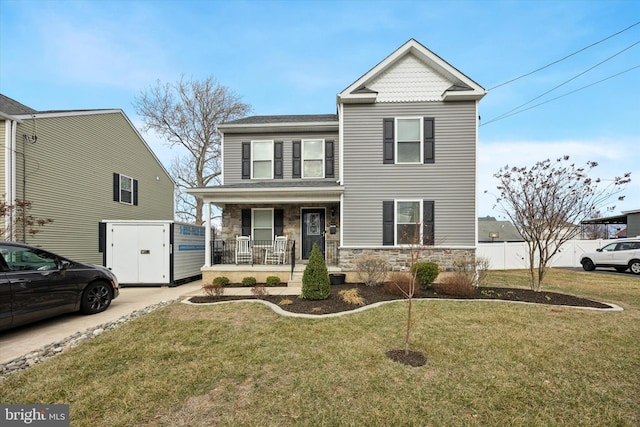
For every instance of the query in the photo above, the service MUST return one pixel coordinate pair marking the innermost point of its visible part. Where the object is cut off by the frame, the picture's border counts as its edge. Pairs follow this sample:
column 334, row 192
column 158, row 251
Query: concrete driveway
column 26, row 339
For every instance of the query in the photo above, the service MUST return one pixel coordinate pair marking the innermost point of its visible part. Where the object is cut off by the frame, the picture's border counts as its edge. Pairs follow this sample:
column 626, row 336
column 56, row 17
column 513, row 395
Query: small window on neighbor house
column 126, row 190
column 409, row 140
column 313, row 158
column 408, row 222
column 262, row 225
column 262, row 159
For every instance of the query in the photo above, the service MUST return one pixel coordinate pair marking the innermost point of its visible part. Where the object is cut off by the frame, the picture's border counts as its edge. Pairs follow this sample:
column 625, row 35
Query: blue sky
column 293, row 57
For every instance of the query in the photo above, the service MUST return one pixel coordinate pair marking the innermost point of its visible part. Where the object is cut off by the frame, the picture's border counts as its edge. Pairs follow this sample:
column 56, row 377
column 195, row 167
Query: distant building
column 491, row 230
column 630, row 219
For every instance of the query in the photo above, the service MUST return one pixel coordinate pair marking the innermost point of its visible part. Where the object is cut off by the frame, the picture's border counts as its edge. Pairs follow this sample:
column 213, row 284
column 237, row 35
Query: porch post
column 207, row 234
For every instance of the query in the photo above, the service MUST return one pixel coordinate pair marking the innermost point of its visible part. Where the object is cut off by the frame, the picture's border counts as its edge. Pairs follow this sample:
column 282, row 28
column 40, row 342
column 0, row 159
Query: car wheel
column 96, row 298
column 635, row 266
column 620, row 269
column 588, row 265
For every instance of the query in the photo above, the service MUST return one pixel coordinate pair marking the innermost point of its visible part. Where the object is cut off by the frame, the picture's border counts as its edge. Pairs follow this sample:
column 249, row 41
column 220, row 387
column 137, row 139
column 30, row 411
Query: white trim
column 302, row 157
column 253, row 157
column 420, row 140
column 341, row 146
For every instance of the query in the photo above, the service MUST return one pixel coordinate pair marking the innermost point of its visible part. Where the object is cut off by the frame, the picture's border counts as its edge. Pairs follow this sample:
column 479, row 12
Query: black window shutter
column 116, row 187
column 246, row 222
column 388, row 140
column 329, row 164
column 428, row 234
column 278, row 222
column 135, row 192
column 297, row 159
column 387, row 223
column 277, row 156
column 246, row 160
column 429, row 140
column 102, row 237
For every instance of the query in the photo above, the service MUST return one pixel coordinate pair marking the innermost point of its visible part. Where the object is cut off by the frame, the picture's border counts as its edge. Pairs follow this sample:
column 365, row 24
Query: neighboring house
column 491, row 230
column 629, row 219
column 396, row 165
column 78, row 168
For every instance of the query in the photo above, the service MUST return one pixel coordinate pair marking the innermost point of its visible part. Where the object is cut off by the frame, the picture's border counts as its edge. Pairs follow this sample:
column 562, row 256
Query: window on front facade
column 262, row 159
column 313, row 158
column 408, row 140
column 408, row 222
column 262, row 224
column 126, row 190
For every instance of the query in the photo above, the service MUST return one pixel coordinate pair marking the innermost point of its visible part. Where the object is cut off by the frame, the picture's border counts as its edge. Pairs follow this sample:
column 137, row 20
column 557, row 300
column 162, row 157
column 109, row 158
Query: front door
column 312, row 231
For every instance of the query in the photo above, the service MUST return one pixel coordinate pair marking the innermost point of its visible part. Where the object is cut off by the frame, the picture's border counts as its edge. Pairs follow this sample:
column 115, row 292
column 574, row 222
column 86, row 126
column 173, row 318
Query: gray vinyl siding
column 633, row 225
column 233, row 153
column 449, row 182
column 69, row 178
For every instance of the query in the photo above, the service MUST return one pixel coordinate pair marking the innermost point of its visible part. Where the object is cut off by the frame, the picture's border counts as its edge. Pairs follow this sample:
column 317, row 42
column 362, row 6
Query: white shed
column 152, row 252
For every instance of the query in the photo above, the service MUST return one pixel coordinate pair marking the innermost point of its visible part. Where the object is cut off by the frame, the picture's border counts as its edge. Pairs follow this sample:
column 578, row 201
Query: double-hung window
column 262, row 159
column 313, row 158
column 262, row 223
column 409, row 140
column 408, row 222
column 125, row 189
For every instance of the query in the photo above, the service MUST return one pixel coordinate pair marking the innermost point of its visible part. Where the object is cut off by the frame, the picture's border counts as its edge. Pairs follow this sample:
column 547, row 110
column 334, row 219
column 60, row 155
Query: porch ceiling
column 299, row 194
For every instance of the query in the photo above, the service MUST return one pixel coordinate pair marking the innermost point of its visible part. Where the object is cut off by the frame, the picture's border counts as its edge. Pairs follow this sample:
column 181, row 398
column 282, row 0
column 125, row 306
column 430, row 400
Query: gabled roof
column 450, row 83
column 12, row 107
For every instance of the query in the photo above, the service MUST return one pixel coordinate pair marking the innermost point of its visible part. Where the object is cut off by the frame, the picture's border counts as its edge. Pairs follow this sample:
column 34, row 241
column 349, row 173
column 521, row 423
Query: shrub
column 398, row 284
column 259, row 291
column 273, row 281
column 352, row 296
column 482, row 269
column 457, row 284
column 372, row 269
column 249, row 281
column 221, row 280
column 315, row 279
column 285, row 301
column 215, row 290
column 425, row 273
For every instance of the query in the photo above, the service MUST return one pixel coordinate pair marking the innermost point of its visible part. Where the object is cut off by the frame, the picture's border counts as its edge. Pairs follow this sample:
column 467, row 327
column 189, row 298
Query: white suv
column 620, row 255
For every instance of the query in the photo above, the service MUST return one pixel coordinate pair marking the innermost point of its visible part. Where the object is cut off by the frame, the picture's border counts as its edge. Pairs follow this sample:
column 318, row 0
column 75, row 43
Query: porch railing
column 224, row 252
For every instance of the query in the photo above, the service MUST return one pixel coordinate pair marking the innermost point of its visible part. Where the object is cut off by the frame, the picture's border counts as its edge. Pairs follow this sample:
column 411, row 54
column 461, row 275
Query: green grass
column 241, row 364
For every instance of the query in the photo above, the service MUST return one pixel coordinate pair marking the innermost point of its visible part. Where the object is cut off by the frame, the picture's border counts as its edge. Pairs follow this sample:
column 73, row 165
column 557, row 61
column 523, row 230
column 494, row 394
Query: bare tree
column 18, row 222
column 546, row 201
column 187, row 114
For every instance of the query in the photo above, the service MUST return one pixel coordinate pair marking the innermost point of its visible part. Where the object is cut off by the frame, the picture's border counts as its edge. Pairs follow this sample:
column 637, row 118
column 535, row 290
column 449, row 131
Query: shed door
column 140, row 253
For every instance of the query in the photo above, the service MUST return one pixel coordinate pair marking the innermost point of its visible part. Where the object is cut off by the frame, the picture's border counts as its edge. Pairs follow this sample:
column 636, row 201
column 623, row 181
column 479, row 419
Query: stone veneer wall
column 400, row 258
column 232, row 221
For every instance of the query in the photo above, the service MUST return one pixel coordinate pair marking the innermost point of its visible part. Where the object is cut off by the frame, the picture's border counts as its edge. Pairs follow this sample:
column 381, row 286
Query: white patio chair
column 277, row 253
column 243, row 249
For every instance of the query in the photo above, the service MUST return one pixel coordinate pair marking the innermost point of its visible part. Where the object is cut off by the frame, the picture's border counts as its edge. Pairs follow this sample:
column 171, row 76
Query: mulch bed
column 373, row 294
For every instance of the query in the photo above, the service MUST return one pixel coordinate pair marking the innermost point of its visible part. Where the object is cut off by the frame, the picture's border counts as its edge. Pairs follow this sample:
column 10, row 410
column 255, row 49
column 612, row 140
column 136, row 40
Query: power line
column 566, row 57
column 508, row 113
column 561, row 96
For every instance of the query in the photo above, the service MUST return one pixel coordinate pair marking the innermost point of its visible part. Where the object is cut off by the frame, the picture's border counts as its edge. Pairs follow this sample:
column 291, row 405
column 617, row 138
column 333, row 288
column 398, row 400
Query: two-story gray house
column 395, row 166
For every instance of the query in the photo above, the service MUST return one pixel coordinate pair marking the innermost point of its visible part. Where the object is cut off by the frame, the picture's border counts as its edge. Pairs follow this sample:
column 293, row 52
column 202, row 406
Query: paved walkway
column 20, row 341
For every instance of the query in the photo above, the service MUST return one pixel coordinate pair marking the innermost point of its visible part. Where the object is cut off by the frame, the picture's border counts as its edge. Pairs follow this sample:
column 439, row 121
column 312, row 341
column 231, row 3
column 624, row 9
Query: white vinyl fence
column 514, row 255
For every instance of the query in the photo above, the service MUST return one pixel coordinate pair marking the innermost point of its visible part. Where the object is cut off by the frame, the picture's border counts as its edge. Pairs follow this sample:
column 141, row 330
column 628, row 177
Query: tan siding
column 69, row 178
column 450, row 181
column 233, row 153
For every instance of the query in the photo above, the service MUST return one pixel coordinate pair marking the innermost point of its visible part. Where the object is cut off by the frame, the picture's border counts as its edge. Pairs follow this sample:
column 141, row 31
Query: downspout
column 341, row 167
column 10, row 176
column 207, row 233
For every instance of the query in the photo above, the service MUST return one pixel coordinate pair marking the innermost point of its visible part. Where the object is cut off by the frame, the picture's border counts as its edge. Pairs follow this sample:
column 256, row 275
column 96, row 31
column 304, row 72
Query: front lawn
column 489, row 363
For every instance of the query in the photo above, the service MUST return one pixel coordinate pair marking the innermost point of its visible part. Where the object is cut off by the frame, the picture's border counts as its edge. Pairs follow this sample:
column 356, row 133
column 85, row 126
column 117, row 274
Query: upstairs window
column 262, row 159
column 408, row 141
column 125, row 189
column 313, row 158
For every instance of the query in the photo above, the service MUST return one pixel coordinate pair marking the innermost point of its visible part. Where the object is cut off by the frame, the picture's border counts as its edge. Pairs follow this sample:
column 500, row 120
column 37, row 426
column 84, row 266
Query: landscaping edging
column 49, row 350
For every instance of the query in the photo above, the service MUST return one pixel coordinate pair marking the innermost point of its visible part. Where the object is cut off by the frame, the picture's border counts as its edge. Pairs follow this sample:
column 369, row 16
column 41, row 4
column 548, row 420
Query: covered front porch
column 272, row 227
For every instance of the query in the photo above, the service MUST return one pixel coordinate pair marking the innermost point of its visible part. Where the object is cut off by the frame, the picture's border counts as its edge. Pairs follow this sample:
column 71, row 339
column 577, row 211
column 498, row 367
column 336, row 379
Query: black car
column 36, row 284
